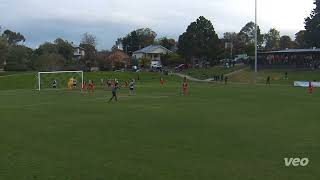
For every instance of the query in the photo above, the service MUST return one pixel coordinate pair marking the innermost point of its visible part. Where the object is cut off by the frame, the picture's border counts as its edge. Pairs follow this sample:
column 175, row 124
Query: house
column 78, row 53
column 152, row 52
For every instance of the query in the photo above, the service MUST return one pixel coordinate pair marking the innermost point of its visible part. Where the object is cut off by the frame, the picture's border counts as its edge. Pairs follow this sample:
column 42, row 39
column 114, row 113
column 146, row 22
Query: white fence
column 306, row 84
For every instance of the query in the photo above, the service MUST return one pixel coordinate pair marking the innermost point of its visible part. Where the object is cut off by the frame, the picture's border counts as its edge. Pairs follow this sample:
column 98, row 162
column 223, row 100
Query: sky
column 44, row 20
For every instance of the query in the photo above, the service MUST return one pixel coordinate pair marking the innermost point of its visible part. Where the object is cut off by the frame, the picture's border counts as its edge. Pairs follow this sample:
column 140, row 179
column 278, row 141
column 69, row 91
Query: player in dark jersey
column 54, row 84
column 268, row 80
column 132, row 87
column 74, row 83
column 114, row 90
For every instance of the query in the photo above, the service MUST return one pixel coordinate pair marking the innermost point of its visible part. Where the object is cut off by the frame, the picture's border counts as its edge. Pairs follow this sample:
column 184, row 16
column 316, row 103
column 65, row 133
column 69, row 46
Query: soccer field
column 233, row 132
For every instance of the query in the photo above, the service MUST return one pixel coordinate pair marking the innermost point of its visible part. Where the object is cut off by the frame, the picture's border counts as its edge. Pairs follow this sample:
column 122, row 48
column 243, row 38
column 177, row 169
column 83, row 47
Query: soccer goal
column 60, row 80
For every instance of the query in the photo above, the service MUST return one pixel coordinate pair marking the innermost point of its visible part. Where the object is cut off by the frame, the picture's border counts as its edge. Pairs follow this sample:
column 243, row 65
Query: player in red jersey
column 91, row 86
column 161, row 81
column 84, row 86
column 185, row 86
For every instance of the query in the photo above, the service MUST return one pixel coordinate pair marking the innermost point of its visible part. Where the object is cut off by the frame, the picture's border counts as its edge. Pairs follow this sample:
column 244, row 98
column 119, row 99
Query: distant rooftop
column 150, row 49
column 292, row 51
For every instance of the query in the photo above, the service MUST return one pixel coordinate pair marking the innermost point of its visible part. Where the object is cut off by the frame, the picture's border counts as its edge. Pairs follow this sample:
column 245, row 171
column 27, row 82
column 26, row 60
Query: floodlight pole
column 256, row 40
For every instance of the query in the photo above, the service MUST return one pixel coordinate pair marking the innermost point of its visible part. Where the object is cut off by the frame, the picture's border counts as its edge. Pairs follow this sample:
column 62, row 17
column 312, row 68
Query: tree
column 47, row 48
column 49, row 62
column 172, row 59
column 145, row 62
column 3, row 51
column 300, row 39
column 200, row 40
column 138, row 39
column 64, row 48
column 235, row 42
column 90, row 55
column 89, row 39
column 312, row 25
column 18, row 58
column 13, row 37
column 286, row 42
column 247, row 35
column 103, row 60
column 167, row 43
column 272, row 39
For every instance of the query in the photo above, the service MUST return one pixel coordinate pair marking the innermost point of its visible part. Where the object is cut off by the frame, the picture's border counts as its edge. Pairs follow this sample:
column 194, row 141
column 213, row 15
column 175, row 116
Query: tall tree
column 167, row 43
column 64, row 48
column 300, row 39
column 233, row 42
column 200, row 40
column 312, row 25
column 88, row 43
column 247, row 34
column 90, row 58
column 89, row 39
column 272, row 39
column 46, row 48
column 3, row 51
column 138, row 39
column 13, row 37
column 286, row 42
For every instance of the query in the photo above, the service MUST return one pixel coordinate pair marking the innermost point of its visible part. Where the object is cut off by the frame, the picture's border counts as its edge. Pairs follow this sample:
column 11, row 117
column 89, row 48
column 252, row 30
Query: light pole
column 256, row 40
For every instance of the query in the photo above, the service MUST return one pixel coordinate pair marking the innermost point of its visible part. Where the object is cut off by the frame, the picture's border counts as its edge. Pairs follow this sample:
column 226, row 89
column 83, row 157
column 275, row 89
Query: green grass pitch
column 233, row 132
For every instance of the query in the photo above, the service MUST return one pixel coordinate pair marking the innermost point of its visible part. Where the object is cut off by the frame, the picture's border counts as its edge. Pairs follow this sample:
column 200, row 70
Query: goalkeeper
column 70, row 83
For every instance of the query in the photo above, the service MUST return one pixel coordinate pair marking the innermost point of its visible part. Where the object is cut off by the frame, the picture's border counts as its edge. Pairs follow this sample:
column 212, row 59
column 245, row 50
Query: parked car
column 181, row 67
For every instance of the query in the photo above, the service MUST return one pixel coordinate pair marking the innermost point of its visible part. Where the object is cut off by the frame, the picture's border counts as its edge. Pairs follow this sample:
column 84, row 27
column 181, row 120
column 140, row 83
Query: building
column 290, row 58
column 152, row 52
column 78, row 53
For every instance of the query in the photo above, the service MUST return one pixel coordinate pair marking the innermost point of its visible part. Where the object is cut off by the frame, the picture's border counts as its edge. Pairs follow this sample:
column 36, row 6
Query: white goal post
column 60, row 76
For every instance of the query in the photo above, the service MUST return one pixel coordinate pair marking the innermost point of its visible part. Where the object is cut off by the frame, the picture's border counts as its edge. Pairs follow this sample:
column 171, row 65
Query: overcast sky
column 45, row 20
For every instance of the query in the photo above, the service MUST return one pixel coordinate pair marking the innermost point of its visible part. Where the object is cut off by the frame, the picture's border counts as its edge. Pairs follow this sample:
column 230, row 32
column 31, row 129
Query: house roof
column 150, row 49
column 292, row 51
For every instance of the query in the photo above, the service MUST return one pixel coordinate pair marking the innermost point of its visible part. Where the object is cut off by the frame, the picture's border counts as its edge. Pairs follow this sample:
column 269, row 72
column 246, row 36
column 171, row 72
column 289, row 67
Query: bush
column 172, row 59
column 49, row 62
column 145, row 62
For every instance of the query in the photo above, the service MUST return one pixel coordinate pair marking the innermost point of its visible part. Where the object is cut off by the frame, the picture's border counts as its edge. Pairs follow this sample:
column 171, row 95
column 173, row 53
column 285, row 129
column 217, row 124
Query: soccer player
column 268, row 80
column 74, row 83
column 226, row 80
column 91, row 86
column 54, row 84
column 185, row 87
column 161, row 81
column 70, row 83
column 132, row 87
column 114, row 92
column 84, row 86
column 310, row 88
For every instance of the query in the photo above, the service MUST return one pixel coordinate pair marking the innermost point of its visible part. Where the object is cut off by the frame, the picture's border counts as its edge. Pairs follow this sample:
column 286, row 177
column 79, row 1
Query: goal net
column 60, row 80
